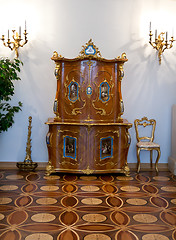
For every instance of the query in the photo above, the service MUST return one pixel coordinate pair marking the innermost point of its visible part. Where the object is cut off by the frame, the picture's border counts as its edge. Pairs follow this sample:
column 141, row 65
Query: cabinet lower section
column 88, row 148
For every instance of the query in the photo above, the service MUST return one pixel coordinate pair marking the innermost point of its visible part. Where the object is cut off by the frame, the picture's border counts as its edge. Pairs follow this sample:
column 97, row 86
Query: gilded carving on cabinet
column 49, row 168
column 49, row 139
column 57, row 71
column 90, row 50
column 88, row 170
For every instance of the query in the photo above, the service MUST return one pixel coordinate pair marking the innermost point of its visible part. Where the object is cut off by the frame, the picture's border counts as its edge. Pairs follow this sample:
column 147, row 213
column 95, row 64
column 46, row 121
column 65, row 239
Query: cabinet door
column 109, row 146
column 105, row 95
column 71, row 96
column 68, row 151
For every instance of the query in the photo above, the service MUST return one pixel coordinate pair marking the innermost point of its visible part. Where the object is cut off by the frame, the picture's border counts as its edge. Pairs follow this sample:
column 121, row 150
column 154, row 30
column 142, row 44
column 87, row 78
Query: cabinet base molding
column 42, row 166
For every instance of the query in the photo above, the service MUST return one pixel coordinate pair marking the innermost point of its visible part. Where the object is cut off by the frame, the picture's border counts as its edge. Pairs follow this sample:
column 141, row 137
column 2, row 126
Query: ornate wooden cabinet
column 88, row 134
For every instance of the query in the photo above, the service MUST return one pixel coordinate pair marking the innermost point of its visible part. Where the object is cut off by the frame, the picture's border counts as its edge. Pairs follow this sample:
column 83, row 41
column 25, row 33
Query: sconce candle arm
column 160, row 44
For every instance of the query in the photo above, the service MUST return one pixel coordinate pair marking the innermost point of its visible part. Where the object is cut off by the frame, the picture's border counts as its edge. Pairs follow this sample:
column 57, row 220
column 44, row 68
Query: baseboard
column 146, row 166
column 132, row 166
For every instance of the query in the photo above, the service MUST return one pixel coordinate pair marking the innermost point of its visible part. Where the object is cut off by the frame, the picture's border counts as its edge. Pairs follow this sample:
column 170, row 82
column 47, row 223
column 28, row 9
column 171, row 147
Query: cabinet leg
column 138, row 159
column 158, row 157
column 126, row 170
column 49, row 168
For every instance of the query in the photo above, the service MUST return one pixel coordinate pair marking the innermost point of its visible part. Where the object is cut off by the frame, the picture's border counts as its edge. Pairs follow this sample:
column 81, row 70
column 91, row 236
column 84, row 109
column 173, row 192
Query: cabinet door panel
column 109, row 147
column 69, row 150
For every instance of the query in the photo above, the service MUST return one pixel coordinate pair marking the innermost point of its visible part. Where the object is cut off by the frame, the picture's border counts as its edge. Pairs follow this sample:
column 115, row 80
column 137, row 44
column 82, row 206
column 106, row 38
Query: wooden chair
column 146, row 142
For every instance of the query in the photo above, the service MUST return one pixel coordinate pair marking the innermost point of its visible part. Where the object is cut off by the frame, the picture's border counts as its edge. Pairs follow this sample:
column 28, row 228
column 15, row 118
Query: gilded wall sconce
column 160, row 43
column 16, row 42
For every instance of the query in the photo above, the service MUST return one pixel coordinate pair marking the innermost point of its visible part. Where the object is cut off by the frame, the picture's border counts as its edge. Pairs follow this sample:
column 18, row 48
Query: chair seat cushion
column 147, row 145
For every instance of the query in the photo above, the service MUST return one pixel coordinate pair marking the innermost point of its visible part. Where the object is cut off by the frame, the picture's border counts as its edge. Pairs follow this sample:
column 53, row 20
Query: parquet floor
column 70, row 207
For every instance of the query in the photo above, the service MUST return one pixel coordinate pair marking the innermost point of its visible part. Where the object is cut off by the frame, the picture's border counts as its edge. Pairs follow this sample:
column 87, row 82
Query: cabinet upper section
column 88, row 87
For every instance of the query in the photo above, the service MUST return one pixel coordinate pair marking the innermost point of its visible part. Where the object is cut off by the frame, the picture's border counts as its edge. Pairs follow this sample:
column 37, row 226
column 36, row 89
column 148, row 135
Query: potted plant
column 8, row 73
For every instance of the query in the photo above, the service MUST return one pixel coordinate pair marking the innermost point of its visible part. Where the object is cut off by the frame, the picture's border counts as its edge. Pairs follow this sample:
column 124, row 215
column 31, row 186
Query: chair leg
column 151, row 156
column 158, row 157
column 138, row 160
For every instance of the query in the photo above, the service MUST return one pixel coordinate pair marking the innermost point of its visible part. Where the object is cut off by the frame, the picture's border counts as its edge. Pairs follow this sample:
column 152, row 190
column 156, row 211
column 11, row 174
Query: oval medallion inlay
column 39, row 236
column 124, row 178
column 91, row 201
column 5, row 200
column 161, row 178
column 145, row 218
column 8, row 187
column 43, row 217
column 154, row 236
column 90, row 188
column 97, row 236
column 173, row 201
column 14, row 177
column 136, row 201
column 46, row 201
column 2, row 216
column 169, row 189
column 49, row 188
column 130, row 189
column 94, row 217
column 51, row 177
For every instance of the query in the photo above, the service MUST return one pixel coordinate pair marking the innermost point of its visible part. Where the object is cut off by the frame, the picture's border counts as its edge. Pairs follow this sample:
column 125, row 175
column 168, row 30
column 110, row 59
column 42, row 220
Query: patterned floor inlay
column 69, row 207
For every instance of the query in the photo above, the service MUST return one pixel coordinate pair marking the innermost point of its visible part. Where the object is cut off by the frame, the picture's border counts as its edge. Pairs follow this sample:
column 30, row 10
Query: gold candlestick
column 160, row 44
column 28, row 164
column 16, row 42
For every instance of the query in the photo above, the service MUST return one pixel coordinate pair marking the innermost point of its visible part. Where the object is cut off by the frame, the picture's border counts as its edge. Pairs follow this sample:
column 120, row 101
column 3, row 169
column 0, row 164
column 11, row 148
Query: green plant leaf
column 8, row 73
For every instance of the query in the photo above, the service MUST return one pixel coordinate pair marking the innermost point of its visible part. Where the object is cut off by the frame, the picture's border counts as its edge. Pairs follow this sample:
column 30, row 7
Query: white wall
column 65, row 25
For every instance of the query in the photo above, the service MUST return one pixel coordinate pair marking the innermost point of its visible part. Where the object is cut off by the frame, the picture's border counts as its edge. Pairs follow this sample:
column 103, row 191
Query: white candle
column 150, row 26
column 166, row 35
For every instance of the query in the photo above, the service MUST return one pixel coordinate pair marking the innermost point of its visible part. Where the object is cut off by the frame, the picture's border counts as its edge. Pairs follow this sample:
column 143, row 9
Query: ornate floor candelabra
column 16, row 42
column 160, row 44
column 28, row 164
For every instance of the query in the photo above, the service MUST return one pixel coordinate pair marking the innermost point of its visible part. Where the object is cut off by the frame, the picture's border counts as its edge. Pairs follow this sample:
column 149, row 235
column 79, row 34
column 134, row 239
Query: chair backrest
column 143, row 123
